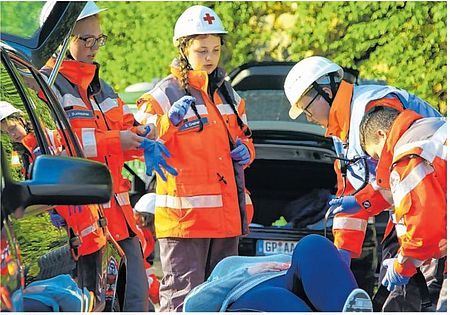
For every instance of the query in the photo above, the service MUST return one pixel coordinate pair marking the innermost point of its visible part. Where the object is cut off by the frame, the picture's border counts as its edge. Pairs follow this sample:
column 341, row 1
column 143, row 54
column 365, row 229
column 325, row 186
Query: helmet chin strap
column 322, row 93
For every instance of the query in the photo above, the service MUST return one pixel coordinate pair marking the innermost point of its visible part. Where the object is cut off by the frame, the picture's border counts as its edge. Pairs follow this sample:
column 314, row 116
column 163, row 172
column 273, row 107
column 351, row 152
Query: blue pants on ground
column 318, row 280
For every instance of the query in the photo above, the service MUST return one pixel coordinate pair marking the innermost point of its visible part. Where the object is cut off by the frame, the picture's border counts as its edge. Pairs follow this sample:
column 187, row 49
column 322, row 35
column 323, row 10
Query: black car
column 57, row 174
column 292, row 176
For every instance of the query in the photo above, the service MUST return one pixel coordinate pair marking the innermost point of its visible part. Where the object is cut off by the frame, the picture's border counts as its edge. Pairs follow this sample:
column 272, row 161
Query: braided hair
column 183, row 45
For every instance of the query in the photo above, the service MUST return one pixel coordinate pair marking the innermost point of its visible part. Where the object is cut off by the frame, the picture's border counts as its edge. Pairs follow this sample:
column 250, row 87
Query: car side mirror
column 57, row 180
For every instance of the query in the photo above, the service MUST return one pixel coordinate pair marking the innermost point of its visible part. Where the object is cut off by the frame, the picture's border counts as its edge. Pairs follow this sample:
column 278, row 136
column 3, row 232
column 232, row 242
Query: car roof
column 263, row 75
column 269, row 75
column 46, row 39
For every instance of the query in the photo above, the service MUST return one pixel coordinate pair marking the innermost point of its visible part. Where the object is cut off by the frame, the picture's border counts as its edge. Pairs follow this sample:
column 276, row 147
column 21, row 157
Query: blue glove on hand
column 147, row 130
column 346, row 204
column 392, row 278
column 346, row 256
column 153, row 154
column 57, row 220
column 240, row 153
column 180, row 108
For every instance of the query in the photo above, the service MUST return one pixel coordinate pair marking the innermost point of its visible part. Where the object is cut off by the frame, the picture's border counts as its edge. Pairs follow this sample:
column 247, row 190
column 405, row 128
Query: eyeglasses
column 90, row 41
column 305, row 109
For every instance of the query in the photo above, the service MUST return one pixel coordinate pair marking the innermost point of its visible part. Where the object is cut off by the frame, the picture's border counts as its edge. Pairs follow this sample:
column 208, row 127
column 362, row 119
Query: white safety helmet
column 6, row 109
column 197, row 20
column 146, row 204
column 89, row 9
column 303, row 74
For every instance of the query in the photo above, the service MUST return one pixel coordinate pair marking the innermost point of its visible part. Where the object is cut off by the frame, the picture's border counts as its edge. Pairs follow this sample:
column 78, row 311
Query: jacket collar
column 196, row 78
column 29, row 142
column 339, row 117
column 401, row 124
column 79, row 73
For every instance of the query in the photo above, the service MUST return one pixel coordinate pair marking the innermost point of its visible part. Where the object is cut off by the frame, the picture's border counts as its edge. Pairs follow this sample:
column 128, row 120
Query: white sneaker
column 358, row 301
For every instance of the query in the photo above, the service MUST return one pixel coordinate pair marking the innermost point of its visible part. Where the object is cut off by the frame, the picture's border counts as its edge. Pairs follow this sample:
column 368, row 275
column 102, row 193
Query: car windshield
column 268, row 105
column 27, row 24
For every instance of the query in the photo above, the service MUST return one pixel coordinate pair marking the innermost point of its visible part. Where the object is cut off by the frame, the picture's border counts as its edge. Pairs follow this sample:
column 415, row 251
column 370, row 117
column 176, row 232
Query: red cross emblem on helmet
column 208, row 18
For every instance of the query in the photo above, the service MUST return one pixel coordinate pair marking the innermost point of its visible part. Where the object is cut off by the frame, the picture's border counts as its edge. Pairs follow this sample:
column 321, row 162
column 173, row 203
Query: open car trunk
column 278, row 186
column 292, row 176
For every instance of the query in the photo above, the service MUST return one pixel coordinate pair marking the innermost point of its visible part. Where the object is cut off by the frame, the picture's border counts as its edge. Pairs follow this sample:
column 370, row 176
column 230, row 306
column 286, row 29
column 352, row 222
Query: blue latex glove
column 346, row 204
column 240, row 153
column 154, row 159
column 147, row 130
column 57, row 220
column 392, row 278
column 346, row 256
column 180, row 108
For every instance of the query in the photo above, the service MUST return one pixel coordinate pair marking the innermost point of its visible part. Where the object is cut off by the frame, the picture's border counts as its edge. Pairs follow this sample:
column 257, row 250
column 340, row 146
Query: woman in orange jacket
column 105, row 128
column 201, row 213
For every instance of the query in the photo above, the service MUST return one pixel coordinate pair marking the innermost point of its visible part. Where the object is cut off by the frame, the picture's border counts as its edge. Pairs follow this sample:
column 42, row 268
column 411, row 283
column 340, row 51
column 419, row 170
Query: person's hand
column 346, row 256
column 129, row 140
column 240, row 153
column 392, row 277
column 179, row 109
column 346, row 204
column 265, row 267
column 154, row 159
column 57, row 220
column 148, row 131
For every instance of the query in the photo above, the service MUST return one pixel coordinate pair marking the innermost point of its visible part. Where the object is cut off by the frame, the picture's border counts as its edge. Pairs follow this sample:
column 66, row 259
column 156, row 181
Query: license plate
column 271, row 247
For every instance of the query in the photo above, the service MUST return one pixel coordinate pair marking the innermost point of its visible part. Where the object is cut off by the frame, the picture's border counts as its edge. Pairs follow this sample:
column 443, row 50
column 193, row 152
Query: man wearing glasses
column 317, row 87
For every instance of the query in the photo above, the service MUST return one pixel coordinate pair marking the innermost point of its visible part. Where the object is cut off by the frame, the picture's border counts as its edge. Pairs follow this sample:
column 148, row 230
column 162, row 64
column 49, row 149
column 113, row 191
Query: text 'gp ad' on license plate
column 271, row 247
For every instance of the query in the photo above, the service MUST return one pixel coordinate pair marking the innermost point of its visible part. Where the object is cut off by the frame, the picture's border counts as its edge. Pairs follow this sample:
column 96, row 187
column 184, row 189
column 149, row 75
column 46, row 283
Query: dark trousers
column 318, row 280
column 186, row 263
column 136, row 287
column 408, row 298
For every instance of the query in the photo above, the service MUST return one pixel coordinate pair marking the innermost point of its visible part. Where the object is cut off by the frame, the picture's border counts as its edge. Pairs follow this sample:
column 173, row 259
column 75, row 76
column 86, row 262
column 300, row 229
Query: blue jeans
column 318, row 280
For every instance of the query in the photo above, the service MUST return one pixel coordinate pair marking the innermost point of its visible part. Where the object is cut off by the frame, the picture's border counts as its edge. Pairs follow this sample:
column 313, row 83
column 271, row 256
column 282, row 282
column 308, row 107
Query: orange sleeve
column 128, row 124
column 374, row 199
column 246, row 140
column 349, row 230
column 420, row 212
column 148, row 104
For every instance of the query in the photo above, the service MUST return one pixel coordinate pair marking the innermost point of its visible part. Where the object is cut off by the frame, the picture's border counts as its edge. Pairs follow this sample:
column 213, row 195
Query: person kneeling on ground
column 314, row 278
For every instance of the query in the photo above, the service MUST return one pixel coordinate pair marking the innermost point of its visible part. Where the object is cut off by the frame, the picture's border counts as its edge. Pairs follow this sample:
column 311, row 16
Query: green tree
column 402, row 43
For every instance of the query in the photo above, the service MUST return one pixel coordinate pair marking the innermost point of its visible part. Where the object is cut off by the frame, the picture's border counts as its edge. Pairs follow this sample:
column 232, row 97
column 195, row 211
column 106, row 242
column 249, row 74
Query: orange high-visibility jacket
column 413, row 165
column 97, row 115
column 202, row 201
column 83, row 220
column 347, row 110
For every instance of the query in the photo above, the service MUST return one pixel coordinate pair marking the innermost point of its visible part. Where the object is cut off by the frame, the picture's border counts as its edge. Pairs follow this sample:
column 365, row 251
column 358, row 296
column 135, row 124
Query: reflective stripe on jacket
column 202, row 201
column 347, row 110
column 97, row 115
column 413, row 165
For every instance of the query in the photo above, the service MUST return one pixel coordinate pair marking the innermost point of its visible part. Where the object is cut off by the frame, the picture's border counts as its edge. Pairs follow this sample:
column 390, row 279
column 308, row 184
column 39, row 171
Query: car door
column 34, row 41
column 44, row 132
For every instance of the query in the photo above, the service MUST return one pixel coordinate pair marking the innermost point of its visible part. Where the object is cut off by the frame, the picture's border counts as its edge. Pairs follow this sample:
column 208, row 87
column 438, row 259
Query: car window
column 17, row 132
column 27, row 24
column 268, row 105
column 32, row 130
column 58, row 139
